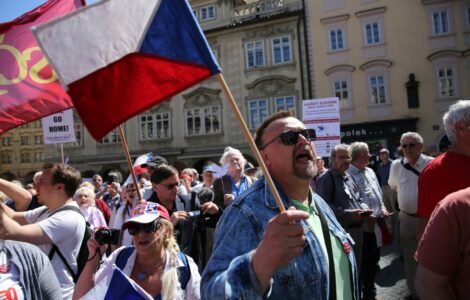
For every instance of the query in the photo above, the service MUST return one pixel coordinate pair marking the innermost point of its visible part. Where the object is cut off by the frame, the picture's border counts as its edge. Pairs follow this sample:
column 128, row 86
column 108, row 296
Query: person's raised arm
column 19, row 195
column 32, row 233
column 87, row 278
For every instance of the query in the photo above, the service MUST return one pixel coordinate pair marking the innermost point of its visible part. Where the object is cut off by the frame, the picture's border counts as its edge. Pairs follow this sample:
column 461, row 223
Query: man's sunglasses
column 404, row 146
column 169, row 186
column 135, row 228
column 291, row 137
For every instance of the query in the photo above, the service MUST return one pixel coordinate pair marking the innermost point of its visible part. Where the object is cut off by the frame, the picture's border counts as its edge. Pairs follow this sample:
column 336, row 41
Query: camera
column 107, row 236
column 194, row 213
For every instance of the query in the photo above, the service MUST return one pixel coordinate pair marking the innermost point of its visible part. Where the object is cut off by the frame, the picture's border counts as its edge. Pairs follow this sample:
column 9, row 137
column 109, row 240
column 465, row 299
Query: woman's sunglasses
column 135, row 228
column 291, row 137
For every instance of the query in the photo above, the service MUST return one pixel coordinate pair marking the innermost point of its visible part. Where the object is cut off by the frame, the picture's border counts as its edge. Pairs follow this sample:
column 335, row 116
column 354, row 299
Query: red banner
column 29, row 89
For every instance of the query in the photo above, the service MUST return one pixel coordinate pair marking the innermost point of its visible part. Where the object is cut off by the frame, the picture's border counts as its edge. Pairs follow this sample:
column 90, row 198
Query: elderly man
column 342, row 194
column 404, row 179
column 440, row 177
column 260, row 252
column 443, row 256
column 370, row 191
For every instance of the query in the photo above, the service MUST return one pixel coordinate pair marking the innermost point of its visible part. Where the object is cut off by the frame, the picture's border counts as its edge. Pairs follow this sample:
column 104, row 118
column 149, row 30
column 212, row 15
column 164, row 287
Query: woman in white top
column 123, row 213
column 85, row 198
column 154, row 263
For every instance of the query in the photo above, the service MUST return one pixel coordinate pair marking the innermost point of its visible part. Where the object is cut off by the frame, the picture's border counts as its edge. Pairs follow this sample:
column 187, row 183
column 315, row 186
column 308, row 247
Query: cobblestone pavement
column 390, row 280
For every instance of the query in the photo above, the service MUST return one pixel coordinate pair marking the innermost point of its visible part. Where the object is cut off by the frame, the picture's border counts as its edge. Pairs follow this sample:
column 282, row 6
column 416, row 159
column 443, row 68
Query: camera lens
column 103, row 236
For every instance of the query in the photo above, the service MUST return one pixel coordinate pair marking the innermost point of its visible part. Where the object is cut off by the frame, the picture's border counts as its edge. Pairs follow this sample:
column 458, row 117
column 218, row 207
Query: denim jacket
column 229, row 273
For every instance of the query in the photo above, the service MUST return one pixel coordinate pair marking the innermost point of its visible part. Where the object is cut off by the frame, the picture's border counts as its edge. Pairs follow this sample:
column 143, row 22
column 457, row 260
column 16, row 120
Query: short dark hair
column 260, row 131
column 163, row 172
column 65, row 174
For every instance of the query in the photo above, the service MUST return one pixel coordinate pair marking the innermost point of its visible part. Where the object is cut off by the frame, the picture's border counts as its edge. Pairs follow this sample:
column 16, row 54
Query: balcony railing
column 259, row 8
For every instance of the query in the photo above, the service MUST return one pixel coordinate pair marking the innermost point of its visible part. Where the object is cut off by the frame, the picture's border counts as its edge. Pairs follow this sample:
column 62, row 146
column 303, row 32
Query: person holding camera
column 155, row 262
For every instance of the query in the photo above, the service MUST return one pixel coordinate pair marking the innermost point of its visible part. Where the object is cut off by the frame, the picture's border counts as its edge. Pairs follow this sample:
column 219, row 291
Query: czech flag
column 118, row 58
column 29, row 89
column 112, row 284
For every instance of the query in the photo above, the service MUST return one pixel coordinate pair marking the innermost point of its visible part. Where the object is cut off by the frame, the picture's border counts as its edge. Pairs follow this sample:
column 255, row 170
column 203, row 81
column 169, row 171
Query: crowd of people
column 225, row 237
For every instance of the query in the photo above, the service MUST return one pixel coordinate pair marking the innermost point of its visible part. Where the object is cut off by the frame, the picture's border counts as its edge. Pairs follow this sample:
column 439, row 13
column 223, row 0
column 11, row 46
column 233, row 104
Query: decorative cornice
column 268, row 78
column 429, row 2
column 339, row 68
column 335, row 19
column 202, row 90
column 371, row 12
column 444, row 53
column 376, row 63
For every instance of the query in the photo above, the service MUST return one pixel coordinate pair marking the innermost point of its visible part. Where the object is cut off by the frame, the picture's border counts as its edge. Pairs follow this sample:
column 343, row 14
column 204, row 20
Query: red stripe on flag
column 102, row 98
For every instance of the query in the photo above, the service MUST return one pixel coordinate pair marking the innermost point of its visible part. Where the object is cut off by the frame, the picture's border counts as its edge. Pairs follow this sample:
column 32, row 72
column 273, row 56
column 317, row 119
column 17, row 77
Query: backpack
column 82, row 257
column 184, row 273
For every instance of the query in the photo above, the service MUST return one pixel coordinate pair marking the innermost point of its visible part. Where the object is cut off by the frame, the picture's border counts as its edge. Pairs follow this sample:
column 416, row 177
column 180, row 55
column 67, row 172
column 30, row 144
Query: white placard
column 323, row 116
column 58, row 128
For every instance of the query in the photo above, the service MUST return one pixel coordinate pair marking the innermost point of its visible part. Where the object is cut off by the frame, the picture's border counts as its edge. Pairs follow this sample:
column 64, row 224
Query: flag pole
column 129, row 162
column 62, row 152
column 251, row 142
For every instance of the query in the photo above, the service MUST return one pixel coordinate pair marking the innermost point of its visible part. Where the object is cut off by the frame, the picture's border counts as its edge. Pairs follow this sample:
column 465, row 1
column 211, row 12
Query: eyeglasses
column 291, row 137
column 131, row 191
column 411, row 145
column 169, row 186
column 135, row 228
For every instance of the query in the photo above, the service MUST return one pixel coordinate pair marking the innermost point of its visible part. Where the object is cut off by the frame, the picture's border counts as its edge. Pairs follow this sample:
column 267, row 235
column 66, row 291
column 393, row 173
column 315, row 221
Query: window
column 281, row 50
column 377, row 89
column 155, row 126
column 204, row 120
column 38, row 156
column 25, row 158
column 372, row 33
column 7, row 158
column 468, row 17
column 341, row 90
column 446, row 82
column 207, row 13
column 6, row 141
column 257, row 112
column 110, row 138
column 440, row 22
column 336, row 39
column 38, row 139
column 285, row 103
column 24, row 140
column 25, row 126
column 255, row 54
column 37, row 124
column 78, row 135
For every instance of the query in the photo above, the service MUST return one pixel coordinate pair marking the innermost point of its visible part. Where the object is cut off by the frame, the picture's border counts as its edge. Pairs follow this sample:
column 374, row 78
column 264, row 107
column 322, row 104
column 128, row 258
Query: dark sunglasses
column 404, row 146
column 291, row 137
column 169, row 186
column 135, row 228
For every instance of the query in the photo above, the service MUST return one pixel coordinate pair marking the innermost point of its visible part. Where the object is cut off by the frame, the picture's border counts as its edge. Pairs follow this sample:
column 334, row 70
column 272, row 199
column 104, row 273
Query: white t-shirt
column 118, row 220
column 66, row 230
column 10, row 287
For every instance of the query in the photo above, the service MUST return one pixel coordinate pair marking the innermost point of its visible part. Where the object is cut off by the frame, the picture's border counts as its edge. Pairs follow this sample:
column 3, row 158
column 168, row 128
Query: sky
column 11, row 9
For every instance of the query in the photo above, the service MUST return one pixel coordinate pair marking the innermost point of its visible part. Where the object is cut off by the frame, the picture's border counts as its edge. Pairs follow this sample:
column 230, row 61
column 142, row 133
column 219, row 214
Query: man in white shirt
column 43, row 227
column 403, row 179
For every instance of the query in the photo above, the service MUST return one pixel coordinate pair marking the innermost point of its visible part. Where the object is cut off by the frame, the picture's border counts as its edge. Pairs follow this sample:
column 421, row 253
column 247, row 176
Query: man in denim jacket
column 261, row 253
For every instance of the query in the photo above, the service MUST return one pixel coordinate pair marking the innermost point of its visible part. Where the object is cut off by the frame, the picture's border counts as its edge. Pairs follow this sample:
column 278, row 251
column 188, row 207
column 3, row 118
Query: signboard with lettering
column 323, row 116
column 58, row 128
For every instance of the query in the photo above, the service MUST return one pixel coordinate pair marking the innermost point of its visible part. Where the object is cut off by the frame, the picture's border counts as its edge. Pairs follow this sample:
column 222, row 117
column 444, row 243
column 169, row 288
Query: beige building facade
column 260, row 46
column 395, row 65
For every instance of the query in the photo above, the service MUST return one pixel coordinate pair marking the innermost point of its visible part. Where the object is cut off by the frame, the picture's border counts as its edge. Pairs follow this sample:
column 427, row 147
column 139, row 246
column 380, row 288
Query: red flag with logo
column 29, row 89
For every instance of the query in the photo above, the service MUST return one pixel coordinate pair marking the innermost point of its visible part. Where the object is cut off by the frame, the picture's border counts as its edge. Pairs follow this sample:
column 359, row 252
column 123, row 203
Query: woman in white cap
column 154, row 262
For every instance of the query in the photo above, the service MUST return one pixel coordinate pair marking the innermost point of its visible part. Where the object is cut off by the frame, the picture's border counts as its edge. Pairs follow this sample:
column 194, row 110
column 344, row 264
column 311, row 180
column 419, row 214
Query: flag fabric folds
column 119, row 58
column 29, row 88
column 112, row 284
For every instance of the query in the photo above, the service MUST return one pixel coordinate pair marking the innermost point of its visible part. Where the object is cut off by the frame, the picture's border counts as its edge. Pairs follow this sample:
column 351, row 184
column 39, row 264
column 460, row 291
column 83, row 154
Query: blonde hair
column 171, row 287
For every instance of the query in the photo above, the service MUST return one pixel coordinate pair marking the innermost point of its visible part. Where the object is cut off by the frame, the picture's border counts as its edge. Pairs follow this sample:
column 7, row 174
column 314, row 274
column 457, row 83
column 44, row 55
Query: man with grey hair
column 440, row 177
column 340, row 191
column 403, row 179
column 372, row 239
